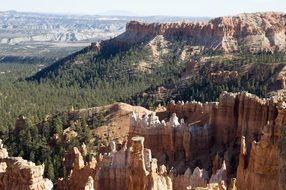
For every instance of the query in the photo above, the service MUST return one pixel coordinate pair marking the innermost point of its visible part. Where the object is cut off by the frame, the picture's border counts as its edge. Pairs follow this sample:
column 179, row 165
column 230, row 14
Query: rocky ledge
column 253, row 32
column 17, row 173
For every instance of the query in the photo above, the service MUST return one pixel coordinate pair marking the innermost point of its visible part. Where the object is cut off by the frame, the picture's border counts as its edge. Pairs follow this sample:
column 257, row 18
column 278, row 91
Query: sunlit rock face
column 19, row 174
column 235, row 137
column 139, row 176
column 90, row 184
column 131, row 168
column 80, row 172
column 252, row 32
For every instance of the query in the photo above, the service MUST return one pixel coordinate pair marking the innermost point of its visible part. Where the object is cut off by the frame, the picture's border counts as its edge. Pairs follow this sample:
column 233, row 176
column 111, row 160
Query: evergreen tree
column 32, row 156
column 50, row 173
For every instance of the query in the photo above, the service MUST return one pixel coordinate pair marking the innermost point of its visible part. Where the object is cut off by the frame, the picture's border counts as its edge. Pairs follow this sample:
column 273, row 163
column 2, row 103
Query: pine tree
column 57, row 126
column 32, row 156
column 50, row 170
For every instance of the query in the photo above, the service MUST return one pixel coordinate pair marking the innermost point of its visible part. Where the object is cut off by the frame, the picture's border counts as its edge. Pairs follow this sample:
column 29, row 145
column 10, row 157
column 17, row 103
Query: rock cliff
column 19, row 174
column 252, row 32
column 209, row 136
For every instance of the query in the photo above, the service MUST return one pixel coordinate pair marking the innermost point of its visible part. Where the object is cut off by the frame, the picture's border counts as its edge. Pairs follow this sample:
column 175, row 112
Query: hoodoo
column 230, row 143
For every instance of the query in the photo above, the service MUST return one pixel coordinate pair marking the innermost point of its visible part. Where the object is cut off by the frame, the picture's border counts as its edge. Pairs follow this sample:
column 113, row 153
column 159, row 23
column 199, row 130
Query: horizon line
column 135, row 15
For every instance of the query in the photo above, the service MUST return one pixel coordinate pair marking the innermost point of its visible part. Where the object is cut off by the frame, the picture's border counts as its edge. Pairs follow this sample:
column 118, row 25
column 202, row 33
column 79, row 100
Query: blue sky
column 147, row 7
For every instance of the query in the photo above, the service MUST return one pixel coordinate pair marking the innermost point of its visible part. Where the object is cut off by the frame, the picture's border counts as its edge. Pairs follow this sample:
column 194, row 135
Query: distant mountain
column 118, row 13
column 21, row 27
column 18, row 27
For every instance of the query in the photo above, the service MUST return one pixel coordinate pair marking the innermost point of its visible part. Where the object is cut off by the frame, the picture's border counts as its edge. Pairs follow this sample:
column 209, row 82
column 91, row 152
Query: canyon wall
column 252, row 32
column 212, row 133
column 235, row 115
column 261, row 163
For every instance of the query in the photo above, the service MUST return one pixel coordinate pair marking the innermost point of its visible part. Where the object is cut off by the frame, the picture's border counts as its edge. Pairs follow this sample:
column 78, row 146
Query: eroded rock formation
column 245, row 32
column 131, row 168
column 79, row 172
column 231, row 144
column 139, row 178
column 19, row 174
column 211, row 136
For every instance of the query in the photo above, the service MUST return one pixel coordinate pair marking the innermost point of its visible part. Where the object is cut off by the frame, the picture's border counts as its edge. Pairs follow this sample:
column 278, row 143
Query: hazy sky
column 146, row 7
